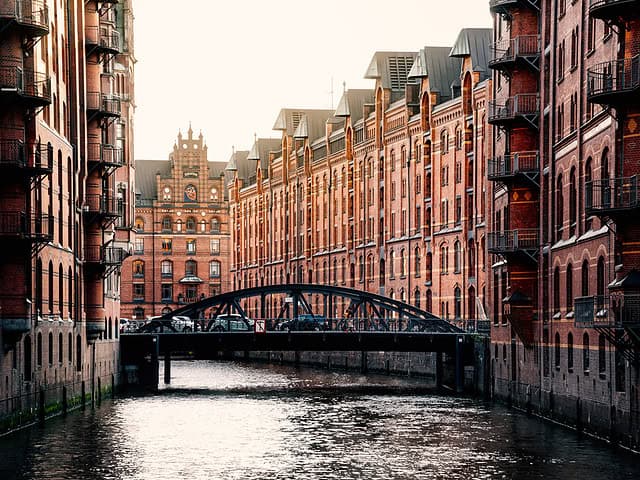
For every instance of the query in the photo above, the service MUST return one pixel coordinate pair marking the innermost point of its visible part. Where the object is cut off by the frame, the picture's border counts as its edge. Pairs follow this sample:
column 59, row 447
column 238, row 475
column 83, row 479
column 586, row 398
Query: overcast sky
column 230, row 66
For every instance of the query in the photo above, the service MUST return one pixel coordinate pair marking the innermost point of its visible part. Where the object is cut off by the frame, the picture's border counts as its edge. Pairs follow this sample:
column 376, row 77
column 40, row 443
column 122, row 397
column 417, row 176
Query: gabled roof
column 474, row 42
column 352, row 102
column 289, row 119
column 391, row 68
column 238, row 162
column 442, row 70
column 260, row 152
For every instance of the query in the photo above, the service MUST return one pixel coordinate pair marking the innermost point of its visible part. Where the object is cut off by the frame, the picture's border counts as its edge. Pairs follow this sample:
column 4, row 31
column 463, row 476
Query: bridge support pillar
column 459, row 366
column 167, row 368
column 438, row 369
column 364, row 367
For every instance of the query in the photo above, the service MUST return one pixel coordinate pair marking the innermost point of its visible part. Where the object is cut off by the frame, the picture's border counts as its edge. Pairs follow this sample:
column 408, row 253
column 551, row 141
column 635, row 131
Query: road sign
column 260, row 326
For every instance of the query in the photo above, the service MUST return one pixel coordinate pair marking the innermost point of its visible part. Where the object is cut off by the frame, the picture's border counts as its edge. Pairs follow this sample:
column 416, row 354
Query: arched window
column 557, row 351
column 50, row 287
column 573, row 202
column 556, row 290
column 602, row 355
column 570, row 351
column 428, row 301
column 60, row 290
column 457, row 260
column 471, row 310
column 178, row 225
column 457, row 306
column 215, row 225
column 203, row 226
column 166, row 224
column 343, row 270
column 417, row 260
column 585, row 352
column 190, row 267
column 39, row 350
column 110, row 328
column 444, row 141
column 392, row 258
column 70, row 348
column 559, row 208
column 27, row 358
column 600, row 280
column 416, row 297
column 70, row 292
column 403, row 263
column 585, row 278
column 444, row 261
column 139, row 224
column 191, row 224
column 166, row 269
column 587, row 180
column 50, row 349
column 428, row 267
column 138, row 268
column 569, row 288
column 79, row 353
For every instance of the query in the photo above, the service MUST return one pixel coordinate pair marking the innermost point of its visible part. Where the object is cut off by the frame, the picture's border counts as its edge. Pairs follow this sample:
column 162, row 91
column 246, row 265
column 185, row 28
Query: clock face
column 190, row 193
column 167, row 190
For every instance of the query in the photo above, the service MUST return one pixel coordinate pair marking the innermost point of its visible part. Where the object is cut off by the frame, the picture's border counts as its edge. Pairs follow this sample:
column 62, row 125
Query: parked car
column 183, row 323
column 305, row 322
column 231, row 322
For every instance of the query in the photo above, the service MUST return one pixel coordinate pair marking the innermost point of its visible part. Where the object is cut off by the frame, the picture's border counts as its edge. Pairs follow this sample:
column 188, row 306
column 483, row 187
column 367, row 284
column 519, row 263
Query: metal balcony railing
column 511, row 241
column 507, row 51
column 503, row 6
column 31, row 14
column 614, row 81
column 101, row 205
column 26, row 84
column 507, row 166
column 104, row 154
column 525, row 105
column 610, row 196
column 620, row 311
column 35, row 156
column 104, row 38
column 36, row 228
column 610, row 9
column 106, row 105
column 104, row 255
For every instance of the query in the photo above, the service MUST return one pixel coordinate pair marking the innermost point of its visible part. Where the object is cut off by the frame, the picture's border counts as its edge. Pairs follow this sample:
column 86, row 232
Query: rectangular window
column 214, row 290
column 458, row 210
column 166, row 246
column 167, row 292
column 214, row 269
column 138, row 292
column 215, row 246
column 167, row 269
column 139, row 246
column 191, row 246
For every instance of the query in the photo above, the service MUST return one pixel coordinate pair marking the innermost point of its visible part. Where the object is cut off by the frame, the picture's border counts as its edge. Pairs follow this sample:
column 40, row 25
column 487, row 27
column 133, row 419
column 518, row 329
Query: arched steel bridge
column 371, row 311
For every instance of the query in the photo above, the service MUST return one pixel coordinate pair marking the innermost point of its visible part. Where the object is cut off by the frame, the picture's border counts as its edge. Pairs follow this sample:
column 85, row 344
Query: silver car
column 232, row 322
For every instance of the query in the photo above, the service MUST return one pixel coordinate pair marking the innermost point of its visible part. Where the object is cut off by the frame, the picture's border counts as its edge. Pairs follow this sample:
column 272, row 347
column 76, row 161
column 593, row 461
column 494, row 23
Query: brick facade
column 66, row 131
column 181, row 249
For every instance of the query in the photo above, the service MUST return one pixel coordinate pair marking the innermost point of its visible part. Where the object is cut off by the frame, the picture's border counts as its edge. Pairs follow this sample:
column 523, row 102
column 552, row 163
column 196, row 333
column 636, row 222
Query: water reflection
column 258, row 422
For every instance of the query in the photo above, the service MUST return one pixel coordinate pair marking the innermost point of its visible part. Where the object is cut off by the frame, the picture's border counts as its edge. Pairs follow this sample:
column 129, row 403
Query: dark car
column 306, row 321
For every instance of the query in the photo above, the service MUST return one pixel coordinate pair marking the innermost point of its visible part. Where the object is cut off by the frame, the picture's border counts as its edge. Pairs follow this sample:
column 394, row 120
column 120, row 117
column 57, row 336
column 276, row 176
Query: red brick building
column 562, row 186
column 181, row 248
column 384, row 193
column 66, row 83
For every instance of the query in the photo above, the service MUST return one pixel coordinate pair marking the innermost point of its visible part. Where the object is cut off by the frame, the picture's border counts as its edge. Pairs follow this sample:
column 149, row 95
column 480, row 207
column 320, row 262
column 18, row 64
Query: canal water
column 227, row 420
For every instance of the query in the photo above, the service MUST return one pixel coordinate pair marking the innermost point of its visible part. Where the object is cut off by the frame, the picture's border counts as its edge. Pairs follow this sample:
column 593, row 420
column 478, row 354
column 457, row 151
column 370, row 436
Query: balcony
column 101, row 206
column 102, row 39
column 612, row 197
column 524, row 49
column 522, row 241
column 32, row 16
column 614, row 83
column 614, row 9
column 509, row 168
column 105, row 256
column 504, row 7
column 592, row 311
column 20, row 226
column 103, row 105
column 24, row 85
column 32, row 158
column 519, row 109
column 105, row 155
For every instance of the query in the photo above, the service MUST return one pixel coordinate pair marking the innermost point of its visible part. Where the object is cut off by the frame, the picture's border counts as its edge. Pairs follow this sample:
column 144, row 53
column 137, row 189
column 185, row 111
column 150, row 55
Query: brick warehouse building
column 562, row 184
column 66, row 109
column 385, row 193
column 181, row 248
